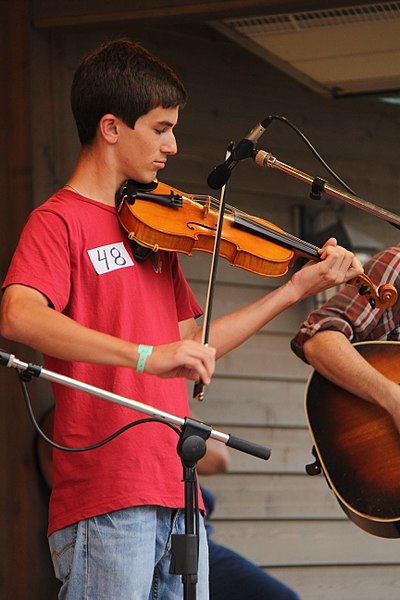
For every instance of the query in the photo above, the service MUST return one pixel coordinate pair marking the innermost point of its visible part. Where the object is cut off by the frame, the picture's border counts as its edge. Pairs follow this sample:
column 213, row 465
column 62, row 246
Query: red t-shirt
column 73, row 250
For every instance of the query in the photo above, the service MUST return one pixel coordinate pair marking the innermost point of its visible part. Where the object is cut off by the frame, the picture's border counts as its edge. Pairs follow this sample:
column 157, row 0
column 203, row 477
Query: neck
column 93, row 177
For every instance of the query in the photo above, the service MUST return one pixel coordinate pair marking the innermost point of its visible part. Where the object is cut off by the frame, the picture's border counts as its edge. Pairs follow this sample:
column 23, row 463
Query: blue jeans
column 124, row 555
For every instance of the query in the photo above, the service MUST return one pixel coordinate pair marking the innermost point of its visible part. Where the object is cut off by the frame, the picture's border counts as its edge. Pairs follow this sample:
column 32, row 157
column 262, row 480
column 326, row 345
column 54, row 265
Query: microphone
column 245, row 149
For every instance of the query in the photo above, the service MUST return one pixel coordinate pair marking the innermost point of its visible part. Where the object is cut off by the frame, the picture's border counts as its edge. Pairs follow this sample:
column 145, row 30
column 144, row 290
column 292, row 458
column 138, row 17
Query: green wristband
column 144, row 353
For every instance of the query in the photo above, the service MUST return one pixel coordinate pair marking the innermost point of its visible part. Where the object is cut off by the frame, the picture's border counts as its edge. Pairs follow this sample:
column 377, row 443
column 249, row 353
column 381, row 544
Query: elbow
column 13, row 324
column 224, row 462
column 8, row 323
column 221, row 459
column 323, row 346
column 4, row 321
column 315, row 349
column 216, row 460
column 309, row 350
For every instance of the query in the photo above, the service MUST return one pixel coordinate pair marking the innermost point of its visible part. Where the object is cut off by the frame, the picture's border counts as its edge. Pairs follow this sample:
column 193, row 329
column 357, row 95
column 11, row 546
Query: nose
column 169, row 145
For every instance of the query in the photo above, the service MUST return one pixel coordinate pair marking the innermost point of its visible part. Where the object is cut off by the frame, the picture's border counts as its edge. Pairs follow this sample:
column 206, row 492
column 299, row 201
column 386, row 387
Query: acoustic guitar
column 357, row 445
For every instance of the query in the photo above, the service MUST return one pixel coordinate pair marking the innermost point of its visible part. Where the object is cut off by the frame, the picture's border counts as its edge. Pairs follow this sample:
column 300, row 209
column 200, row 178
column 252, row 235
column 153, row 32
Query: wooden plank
column 229, row 297
column 275, row 496
column 291, row 450
column 342, row 583
column 273, row 543
column 23, row 520
column 236, row 401
column 264, row 355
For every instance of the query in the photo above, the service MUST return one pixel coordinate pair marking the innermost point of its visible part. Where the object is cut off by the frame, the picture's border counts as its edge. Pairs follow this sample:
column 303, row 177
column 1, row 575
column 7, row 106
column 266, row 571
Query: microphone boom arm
column 9, row 360
column 266, row 159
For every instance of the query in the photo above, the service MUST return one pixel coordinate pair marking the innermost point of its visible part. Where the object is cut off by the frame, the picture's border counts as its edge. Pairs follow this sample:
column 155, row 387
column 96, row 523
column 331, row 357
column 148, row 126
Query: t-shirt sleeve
column 187, row 305
column 42, row 259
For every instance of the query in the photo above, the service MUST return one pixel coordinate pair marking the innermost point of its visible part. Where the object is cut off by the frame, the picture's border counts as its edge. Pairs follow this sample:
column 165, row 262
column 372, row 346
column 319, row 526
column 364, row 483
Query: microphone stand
column 191, row 447
column 320, row 186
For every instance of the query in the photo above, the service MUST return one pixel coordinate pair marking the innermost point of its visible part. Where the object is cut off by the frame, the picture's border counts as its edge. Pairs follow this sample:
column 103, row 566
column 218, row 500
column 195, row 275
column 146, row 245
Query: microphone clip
column 29, row 372
column 317, row 188
column 245, row 149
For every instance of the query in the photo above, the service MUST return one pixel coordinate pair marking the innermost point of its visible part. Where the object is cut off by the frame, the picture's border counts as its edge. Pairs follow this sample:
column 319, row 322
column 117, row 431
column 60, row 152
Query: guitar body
column 358, row 445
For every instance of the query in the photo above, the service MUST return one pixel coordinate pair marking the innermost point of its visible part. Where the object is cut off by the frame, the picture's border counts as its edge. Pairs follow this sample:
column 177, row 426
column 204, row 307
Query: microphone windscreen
column 218, row 177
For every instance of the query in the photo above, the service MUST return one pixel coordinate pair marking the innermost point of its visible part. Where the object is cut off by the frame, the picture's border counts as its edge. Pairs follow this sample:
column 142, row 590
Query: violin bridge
column 206, row 207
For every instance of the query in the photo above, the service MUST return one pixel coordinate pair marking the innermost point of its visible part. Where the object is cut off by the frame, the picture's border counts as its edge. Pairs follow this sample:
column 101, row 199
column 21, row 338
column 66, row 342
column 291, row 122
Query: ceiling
column 337, row 47
column 337, row 51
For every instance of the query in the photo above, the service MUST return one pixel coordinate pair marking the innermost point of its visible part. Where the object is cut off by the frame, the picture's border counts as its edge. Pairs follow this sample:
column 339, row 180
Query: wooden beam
column 15, row 145
column 48, row 14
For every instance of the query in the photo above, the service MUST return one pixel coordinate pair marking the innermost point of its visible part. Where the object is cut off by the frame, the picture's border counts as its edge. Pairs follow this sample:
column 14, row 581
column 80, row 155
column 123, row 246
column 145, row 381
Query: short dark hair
column 122, row 78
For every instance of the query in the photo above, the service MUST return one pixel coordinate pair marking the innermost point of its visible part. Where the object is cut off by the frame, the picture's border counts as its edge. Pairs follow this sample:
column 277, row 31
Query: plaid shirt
column 351, row 313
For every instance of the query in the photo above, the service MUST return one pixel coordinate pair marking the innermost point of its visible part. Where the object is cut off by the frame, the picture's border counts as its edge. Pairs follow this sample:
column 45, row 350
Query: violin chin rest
column 141, row 253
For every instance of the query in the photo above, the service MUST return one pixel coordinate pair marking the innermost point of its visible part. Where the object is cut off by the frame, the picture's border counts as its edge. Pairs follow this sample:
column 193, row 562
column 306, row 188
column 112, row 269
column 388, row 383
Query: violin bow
column 198, row 390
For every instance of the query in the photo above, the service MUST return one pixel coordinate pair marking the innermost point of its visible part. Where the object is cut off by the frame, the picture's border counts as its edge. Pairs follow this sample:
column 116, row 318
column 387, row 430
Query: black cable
column 84, row 448
column 314, row 151
column 196, row 513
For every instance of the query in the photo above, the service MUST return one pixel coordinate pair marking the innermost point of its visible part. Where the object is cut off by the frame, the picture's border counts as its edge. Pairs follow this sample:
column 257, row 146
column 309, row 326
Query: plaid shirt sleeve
column 351, row 313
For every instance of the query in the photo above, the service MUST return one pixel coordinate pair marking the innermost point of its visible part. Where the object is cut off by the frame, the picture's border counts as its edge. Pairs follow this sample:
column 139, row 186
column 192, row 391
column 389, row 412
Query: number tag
column 109, row 258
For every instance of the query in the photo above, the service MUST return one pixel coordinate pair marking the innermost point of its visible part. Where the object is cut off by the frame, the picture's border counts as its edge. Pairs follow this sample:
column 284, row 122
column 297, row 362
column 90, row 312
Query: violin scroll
column 384, row 297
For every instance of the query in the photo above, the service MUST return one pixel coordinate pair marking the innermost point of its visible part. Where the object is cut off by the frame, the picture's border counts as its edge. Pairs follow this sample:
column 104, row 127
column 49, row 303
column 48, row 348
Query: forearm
column 26, row 317
column 334, row 357
column 35, row 324
column 231, row 330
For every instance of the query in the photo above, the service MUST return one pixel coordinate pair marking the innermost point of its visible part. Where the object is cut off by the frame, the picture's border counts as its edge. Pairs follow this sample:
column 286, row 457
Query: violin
column 159, row 217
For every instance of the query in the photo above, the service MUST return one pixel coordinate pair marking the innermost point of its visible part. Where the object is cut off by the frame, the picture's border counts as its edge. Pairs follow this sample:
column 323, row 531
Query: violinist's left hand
column 337, row 265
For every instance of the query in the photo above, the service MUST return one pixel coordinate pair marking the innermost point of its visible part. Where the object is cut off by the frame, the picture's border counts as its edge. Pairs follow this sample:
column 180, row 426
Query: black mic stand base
column 185, row 547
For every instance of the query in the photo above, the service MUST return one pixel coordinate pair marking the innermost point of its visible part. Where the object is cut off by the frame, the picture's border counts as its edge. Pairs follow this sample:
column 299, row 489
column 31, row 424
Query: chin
column 146, row 178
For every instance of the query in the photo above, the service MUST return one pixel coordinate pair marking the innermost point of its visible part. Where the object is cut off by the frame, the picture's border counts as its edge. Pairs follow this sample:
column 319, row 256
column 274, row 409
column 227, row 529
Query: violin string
column 283, row 237
column 278, row 235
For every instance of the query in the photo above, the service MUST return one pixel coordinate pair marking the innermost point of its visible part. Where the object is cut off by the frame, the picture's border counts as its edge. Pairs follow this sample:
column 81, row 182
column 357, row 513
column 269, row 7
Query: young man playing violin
column 75, row 292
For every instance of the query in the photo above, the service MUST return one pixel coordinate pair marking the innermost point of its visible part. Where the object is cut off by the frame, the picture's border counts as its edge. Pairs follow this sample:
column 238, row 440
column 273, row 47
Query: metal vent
column 339, row 51
column 299, row 21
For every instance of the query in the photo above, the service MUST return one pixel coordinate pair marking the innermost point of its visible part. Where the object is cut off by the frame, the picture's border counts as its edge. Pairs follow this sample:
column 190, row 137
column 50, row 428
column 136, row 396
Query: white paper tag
column 110, row 257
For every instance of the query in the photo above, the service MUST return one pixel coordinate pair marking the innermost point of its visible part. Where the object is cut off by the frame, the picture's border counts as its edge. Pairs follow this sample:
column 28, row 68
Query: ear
column 109, row 128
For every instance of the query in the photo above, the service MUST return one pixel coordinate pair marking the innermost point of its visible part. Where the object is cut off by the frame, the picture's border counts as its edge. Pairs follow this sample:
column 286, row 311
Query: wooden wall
column 24, row 558
column 270, row 511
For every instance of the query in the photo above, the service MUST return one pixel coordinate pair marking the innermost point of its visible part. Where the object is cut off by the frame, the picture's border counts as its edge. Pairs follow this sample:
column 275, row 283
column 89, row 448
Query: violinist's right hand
column 186, row 358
